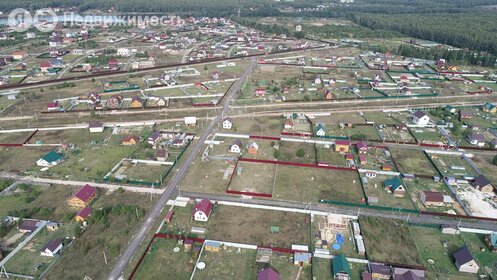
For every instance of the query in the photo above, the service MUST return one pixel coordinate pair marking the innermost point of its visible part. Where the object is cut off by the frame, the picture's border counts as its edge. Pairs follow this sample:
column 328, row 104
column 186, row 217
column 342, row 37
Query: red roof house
column 83, row 197
column 83, row 214
column 202, row 210
column 268, row 274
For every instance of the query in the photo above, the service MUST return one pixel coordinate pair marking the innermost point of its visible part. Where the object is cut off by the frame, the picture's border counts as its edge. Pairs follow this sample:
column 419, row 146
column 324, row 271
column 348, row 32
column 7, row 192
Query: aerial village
column 206, row 149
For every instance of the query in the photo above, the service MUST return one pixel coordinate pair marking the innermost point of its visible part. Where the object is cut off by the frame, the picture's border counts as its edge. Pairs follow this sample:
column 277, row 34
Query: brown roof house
column 83, row 197
column 481, row 183
column 130, row 140
column 434, row 199
column 408, row 274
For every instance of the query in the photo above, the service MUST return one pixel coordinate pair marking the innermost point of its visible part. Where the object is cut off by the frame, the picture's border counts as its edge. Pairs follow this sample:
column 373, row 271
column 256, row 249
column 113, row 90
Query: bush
column 276, row 154
column 300, row 152
column 494, row 160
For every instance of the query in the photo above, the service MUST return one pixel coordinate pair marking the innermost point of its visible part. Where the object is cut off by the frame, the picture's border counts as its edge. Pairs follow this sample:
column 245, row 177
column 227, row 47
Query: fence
column 297, row 164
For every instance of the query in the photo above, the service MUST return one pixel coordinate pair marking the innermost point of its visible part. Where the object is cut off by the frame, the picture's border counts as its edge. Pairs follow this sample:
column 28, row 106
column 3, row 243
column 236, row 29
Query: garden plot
column 436, row 250
column 427, row 135
column 327, row 156
column 376, row 159
column 268, row 126
column 418, row 185
column 389, row 241
column 283, row 263
column 390, row 133
column 305, row 184
column 247, row 226
column 452, row 165
column 321, row 269
column 354, row 132
column 163, row 260
column 253, row 177
column 484, row 257
column 211, row 176
column 297, row 152
column 412, row 162
column 373, row 187
column 78, row 137
column 141, row 171
column 228, row 263
column 14, row 138
column 486, row 166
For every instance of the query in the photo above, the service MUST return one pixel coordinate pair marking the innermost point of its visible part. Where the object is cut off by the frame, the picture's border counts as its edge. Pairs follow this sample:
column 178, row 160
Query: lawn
column 374, row 188
column 145, row 172
column 389, row 133
column 427, row 135
column 245, row 225
column 379, row 118
column 485, row 258
column 284, row 265
column 453, row 165
column 255, row 177
column 288, row 151
column 484, row 163
column 412, row 162
column 269, row 126
column 329, row 156
column 389, row 241
column 321, row 269
column 305, row 184
column 376, row 158
column 206, row 176
column 232, row 263
column 430, row 244
column 161, row 260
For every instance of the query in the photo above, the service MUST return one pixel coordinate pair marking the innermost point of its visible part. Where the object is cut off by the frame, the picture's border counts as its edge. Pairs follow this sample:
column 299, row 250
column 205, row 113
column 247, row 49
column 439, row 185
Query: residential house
column 380, row 271
column 493, row 144
column 408, row 274
column 289, row 124
column 327, row 94
column 447, row 229
column 188, row 244
column 394, row 185
column 489, row 108
column 202, row 210
column 464, row 260
column 362, row 147
column 481, row 183
column 83, row 197
column 28, row 226
column 432, row 199
column 465, row 115
column 52, row 248
column 161, row 155
column 154, row 138
column 252, row 148
column 302, row 258
column 137, row 102
column 190, row 121
column 363, row 159
column 260, row 92
column 83, row 215
column 227, row 123
column 268, row 274
column 130, row 140
column 212, row 246
column 113, row 64
column 342, row 146
column 45, row 66
column 52, row 158
column 53, row 106
column 491, row 241
column 124, row 52
column 420, row 118
column 96, row 127
column 161, row 102
column 19, row 55
column 52, row 226
column 236, row 146
column 476, row 139
column 114, row 101
column 340, row 268
column 320, row 130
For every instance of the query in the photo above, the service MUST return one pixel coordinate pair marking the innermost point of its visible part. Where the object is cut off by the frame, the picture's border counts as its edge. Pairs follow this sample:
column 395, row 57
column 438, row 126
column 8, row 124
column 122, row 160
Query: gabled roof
column 52, row 156
column 393, row 182
column 493, row 239
column 434, row 196
column 154, row 136
column 86, row 193
column 419, row 114
column 463, row 255
column 342, row 142
column 478, row 137
column 96, row 124
column 481, row 181
column 204, row 206
column 340, row 265
column 129, row 137
column 84, row 213
column 52, row 245
column 362, row 145
column 237, row 142
column 380, row 269
column 29, row 225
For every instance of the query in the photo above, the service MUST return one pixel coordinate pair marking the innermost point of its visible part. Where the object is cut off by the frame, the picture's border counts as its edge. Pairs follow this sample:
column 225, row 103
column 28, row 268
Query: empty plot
column 413, row 162
column 255, row 177
column 228, row 264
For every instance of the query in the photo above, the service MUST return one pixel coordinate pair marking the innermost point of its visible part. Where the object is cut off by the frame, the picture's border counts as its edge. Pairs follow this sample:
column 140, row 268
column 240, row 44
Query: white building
column 52, row 248
column 420, row 118
column 123, row 52
column 227, row 123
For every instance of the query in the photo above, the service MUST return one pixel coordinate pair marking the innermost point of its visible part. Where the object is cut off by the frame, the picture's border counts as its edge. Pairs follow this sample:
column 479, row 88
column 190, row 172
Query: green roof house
column 491, row 241
column 340, row 268
column 51, row 159
column 394, row 185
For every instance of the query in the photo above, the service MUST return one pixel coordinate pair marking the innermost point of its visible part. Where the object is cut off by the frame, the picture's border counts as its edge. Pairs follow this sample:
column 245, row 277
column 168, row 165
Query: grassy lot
column 284, row 265
column 258, row 125
column 446, row 164
column 329, row 156
column 321, row 269
column 161, row 260
column 379, row 118
column 29, row 256
column 206, row 177
column 253, row 228
column 145, row 172
column 374, row 188
column 430, row 244
column 256, row 177
column 110, row 235
column 427, row 135
column 289, row 150
column 228, row 264
column 19, row 160
column 391, row 134
column 17, row 138
column 376, row 158
column 357, row 132
column 70, row 136
column 484, row 163
column 304, row 184
column 412, row 162
column 389, row 241
column 486, row 259
column 5, row 183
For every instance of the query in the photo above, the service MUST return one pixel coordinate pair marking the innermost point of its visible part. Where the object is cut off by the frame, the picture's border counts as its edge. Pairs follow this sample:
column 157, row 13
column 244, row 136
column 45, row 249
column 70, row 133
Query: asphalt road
column 171, row 188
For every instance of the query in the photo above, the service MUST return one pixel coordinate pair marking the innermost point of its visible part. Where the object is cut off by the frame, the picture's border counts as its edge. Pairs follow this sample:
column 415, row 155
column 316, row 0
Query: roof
column 302, row 257
column 481, row 181
column 342, row 142
column 340, row 265
column 228, row 119
column 52, row 245
column 268, row 274
column 96, row 124
column 380, row 269
column 237, row 142
column 154, row 136
column 493, row 239
column 85, row 212
column 477, row 137
column 465, row 113
column 434, row 196
column 188, row 241
column 212, row 244
column 393, row 182
column 136, row 98
column 52, row 156
column 129, row 137
column 204, row 205
column 161, row 153
column 419, row 114
column 362, row 145
column 463, row 255
column 86, row 193
column 29, row 225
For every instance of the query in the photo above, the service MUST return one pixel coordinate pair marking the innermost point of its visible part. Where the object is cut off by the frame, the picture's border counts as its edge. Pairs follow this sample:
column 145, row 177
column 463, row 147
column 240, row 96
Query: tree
column 276, row 154
column 494, row 160
column 300, row 152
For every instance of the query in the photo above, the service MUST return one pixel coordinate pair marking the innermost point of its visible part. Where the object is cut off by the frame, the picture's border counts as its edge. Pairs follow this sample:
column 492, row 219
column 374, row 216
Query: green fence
column 374, row 207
